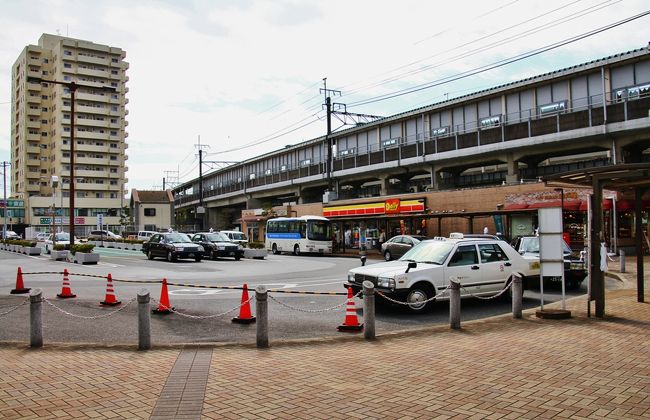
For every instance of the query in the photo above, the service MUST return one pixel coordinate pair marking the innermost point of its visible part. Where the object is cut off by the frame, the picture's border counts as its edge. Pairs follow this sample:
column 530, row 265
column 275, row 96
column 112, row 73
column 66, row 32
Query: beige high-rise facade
column 40, row 132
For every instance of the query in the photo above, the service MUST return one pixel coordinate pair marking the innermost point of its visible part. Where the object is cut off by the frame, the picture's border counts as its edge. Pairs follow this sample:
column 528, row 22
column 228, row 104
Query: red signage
column 392, row 206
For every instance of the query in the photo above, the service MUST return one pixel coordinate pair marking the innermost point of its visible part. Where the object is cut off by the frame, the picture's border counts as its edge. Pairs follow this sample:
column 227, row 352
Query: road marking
column 195, row 292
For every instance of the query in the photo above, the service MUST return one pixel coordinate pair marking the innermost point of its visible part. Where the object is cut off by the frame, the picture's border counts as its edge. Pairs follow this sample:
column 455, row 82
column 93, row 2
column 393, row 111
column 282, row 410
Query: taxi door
column 464, row 264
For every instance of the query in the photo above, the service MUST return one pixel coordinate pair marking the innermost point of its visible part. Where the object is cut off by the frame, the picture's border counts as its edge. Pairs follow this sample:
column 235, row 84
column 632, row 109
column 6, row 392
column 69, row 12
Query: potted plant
column 59, row 252
column 256, row 250
column 83, row 254
column 30, row 248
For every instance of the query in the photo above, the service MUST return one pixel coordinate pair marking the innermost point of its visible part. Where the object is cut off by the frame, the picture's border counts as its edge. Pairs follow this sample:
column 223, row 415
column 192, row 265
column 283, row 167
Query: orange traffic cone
column 245, row 316
column 66, row 292
column 20, row 287
column 110, row 300
column 163, row 306
column 351, row 323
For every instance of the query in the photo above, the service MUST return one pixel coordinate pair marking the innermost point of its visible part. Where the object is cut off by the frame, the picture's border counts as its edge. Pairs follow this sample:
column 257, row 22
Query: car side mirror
column 412, row 264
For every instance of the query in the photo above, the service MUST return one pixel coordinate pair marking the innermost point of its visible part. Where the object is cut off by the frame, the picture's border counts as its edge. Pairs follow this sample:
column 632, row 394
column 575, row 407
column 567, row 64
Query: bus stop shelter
column 631, row 177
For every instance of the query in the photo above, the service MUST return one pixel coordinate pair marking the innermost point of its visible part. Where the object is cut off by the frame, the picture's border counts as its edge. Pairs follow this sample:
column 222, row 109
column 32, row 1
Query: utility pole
column 6, row 207
column 200, row 209
column 328, row 106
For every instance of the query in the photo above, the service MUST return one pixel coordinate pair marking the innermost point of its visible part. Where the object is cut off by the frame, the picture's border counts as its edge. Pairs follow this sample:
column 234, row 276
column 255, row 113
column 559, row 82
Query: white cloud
column 235, row 72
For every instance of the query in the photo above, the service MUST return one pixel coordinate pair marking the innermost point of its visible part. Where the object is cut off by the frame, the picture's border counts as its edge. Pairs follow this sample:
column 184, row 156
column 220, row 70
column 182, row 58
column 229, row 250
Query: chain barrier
column 505, row 289
column 137, row 281
column 88, row 317
column 25, row 302
column 312, row 311
column 203, row 316
column 431, row 299
column 205, row 286
column 301, row 292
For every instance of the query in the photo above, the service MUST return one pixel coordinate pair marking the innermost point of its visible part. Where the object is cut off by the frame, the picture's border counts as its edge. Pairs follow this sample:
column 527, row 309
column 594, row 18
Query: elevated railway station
column 474, row 161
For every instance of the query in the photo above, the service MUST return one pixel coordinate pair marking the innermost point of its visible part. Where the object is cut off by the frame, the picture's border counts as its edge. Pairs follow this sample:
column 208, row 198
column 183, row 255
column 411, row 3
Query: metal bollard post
column 517, row 295
column 144, row 320
column 262, row 312
column 363, row 260
column 36, row 318
column 454, row 304
column 369, row 310
column 621, row 253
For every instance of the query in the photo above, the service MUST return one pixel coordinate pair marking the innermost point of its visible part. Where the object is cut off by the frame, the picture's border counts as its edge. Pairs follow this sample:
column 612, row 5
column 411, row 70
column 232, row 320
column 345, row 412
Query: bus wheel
column 296, row 250
column 274, row 249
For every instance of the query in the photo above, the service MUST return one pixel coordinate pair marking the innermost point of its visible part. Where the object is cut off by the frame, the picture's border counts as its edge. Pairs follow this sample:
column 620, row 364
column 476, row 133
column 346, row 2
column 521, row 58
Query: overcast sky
column 237, row 73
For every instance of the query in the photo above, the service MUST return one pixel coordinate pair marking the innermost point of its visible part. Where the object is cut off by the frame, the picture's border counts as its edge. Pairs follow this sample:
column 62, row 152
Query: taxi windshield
column 431, row 252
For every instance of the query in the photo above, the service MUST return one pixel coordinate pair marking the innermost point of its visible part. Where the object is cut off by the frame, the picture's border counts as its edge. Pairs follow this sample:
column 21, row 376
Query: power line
column 487, row 47
column 497, row 64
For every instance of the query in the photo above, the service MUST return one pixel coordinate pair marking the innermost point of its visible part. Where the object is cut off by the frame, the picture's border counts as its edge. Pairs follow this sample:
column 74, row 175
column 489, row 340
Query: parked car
column 10, row 235
column 235, row 236
column 399, row 245
column 172, row 246
column 575, row 269
column 483, row 266
column 144, row 235
column 59, row 238
column 41, row 237
column 102, row 235
column 217, row 245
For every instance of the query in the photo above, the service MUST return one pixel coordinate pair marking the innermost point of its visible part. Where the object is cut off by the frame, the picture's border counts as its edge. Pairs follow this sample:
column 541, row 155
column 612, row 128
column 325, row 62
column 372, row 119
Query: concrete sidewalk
column 494, row 368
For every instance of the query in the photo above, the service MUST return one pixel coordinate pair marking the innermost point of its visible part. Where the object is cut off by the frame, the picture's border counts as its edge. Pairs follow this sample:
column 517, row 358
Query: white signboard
column 100, row 221
column 551, row 254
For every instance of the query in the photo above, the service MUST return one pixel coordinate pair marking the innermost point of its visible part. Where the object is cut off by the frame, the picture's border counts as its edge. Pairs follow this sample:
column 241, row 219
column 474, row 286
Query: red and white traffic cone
column 66, row 292
column 20, row 286
column 351, row 323
column 110, row 300
column 163, row 306
column 245, row 316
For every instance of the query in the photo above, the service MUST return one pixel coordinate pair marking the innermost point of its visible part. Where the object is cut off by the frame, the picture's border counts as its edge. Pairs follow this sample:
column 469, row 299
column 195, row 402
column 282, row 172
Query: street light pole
column 6, row 206
column 73, row 88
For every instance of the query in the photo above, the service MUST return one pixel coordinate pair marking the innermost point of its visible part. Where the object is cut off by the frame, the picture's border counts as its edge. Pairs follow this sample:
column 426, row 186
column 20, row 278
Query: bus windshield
column 319, row 230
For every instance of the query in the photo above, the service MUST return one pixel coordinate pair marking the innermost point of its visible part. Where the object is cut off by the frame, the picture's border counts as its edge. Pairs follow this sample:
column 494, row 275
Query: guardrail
column 262, row 297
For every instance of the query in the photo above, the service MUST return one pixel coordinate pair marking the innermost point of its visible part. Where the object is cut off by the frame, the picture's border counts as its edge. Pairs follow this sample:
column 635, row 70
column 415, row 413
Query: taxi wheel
column 387, row 255
column 150, row 255
column 237, row 257
column 197, row 259
column 170, row 257
column 213, row 255
column 417, row 296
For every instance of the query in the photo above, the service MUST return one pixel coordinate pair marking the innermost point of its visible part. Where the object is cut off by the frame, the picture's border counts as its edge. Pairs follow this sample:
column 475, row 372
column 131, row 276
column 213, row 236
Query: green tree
column 126, row 219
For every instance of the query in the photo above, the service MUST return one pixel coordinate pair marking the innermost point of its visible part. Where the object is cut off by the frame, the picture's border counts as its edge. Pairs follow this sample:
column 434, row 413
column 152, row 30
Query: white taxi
column 483, row 267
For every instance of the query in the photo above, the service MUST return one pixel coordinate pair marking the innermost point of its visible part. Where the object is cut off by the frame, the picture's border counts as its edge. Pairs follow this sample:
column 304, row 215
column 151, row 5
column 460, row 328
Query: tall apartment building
column 40, row 131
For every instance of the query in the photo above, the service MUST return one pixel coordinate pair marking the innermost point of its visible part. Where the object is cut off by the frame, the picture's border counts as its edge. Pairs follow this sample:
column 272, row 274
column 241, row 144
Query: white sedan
column 483, row 267
column 61, row 238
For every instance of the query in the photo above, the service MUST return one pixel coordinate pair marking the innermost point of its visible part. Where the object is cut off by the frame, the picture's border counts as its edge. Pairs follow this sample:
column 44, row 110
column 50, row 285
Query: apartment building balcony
column 33, row 137
column 34, row 73
column 91, row 148
column 33, row 187
column 33, row 98
column 90, row 135
column 87, row 161
column 92, row 60
column 33, row 162
column 87, row 109
column 33, row 112
column 34, row 87
column 98, row 96
column 33, row 150
column 91, row 186
column 88, row 174
column 92, row 72
column 91, row 123
column 33, row 124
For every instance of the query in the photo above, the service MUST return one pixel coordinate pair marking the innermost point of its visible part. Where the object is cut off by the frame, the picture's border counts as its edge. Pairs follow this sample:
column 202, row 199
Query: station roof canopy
column 621, row 177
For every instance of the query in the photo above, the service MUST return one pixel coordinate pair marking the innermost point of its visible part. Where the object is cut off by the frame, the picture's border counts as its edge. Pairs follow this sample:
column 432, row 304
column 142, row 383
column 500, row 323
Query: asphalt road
column 291, row 316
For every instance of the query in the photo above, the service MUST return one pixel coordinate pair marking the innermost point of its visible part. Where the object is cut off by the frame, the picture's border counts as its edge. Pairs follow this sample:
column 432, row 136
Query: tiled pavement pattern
column 496, row 368
column 59, row 382
column 182, row 396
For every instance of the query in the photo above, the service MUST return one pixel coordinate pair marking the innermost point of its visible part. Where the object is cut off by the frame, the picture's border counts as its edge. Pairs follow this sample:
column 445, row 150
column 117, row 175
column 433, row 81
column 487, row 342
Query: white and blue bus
column 299, row 235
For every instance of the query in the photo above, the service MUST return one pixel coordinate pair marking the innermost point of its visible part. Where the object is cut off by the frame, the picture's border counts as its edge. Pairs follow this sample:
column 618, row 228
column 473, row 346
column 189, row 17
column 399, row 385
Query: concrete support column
column 369, row 310
column 517, row 296
column 144, row 320
column 454, row 304
column 36, row 318
column 513, row 170
column 384, row 186
column 262, row 313
column 435, row 178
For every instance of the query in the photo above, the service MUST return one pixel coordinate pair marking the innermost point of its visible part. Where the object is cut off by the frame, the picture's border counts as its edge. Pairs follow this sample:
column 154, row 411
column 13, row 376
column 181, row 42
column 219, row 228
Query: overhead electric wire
column 497, row 64
column 501, row 42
